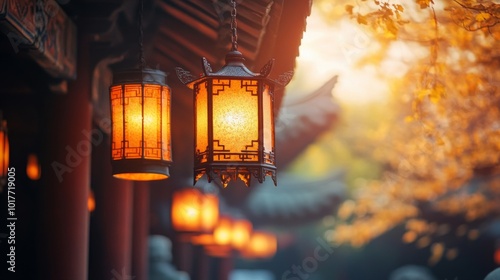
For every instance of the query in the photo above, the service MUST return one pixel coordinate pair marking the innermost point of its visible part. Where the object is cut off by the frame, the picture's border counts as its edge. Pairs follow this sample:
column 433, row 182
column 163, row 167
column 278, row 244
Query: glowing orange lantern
column 229, row 234
column 33, row 168
column 194, row 211
column 4, row 152
column 234, row 233
column 261, row 245
column 140, row 131
column 240, row 233
column 234, row 119
column 222, row 233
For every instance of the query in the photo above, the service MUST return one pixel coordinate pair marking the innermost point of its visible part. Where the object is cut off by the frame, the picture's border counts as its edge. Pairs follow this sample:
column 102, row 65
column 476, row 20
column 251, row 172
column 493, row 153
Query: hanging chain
column 234, row 26
column 141, row 36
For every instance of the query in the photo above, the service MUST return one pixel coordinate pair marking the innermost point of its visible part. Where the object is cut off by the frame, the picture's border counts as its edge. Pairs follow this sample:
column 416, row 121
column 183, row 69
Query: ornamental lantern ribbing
column 234, row 119
column 140, row 131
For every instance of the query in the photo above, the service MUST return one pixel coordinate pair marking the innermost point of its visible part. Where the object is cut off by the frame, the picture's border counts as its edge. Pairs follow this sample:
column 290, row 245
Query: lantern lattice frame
column 257, row 158
column 151, row 155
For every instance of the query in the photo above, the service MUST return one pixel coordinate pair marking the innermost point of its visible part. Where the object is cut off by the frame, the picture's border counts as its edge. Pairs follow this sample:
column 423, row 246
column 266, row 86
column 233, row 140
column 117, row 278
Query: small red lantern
column 194, row 212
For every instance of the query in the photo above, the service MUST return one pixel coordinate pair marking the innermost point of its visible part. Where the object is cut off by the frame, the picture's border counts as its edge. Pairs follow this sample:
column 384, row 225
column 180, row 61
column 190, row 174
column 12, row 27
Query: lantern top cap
column 235, row 57
column 146, row 75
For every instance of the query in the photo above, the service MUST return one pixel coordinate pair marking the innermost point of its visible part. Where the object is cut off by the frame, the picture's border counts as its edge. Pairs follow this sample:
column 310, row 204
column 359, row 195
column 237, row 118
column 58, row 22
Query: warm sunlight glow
column 334, row 49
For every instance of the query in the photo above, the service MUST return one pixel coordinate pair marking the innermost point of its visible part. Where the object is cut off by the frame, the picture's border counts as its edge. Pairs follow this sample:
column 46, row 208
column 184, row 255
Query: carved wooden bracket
column 41, row 27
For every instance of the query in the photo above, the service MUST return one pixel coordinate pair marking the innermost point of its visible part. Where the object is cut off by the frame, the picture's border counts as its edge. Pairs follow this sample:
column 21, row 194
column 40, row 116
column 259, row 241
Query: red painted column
column 225, row 267
column 111, row 225
column 201, row 267
column 140, row 232
column 63, row 217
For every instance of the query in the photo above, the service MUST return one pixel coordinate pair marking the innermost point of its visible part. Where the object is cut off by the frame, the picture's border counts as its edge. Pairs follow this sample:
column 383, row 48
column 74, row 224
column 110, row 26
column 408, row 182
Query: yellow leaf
column 400, row 8
column 437, row 250
column 482, row 16
column 349, row 8
column 424, row 3
column 362, row 19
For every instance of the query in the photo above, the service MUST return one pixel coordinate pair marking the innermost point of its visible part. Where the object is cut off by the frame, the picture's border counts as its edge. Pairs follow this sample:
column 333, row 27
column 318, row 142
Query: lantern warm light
column 194, row 211
column 228, row 235
column 222, row 233
column 4, row 152
column 140, row 115
column 33, row 168
column 91, row 202
column 234, row 233
column 234, row 120
column 261, row 245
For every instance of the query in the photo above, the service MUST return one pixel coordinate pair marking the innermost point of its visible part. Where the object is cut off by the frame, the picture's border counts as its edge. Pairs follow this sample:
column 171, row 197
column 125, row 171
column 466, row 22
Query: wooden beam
column 45, row 31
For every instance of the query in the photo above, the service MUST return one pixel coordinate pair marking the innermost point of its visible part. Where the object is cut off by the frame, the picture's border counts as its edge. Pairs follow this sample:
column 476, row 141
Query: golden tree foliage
column 441, row 151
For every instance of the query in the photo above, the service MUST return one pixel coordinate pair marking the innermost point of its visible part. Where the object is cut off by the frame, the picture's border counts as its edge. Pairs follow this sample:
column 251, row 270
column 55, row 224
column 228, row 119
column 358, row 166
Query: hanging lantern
column 240, row 234
column 261, row 245
column 234, row 120
column 33, row 168
column 194, row 211
column 234, row 233
column 140, row 131
column 4, row 151
column 140, row 117
column 228, row 235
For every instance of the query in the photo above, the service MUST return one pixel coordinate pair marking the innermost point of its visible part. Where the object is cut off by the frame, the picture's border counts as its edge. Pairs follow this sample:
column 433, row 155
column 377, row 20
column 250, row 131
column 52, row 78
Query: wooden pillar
column 63, row 215
column 111, row 225
column 182, row 253
column 140, row 232
column 201, row 268
column 225, row 267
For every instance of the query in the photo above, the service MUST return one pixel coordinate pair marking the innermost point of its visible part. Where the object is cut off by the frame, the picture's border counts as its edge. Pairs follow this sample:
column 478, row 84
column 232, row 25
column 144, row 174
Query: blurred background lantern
column 194, row 212
column 261, row 245
column 229, row 235
column 4, row 151
column 33, row 168
column 240, row 233
column 91, row 201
